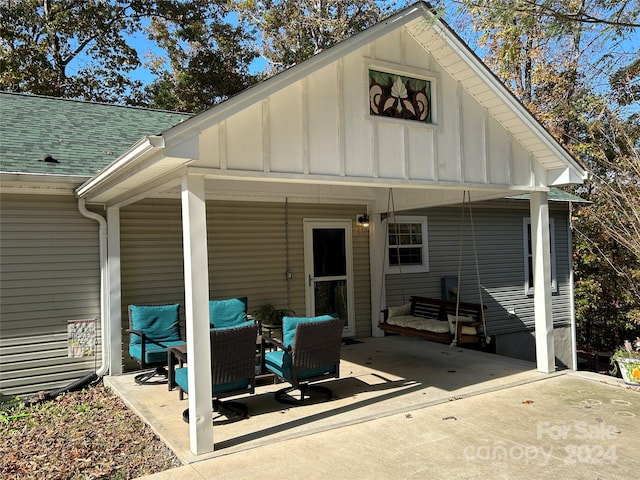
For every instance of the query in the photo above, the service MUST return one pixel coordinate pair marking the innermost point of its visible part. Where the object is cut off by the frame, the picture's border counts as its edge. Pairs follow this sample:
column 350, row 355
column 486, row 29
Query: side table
column 175, row 356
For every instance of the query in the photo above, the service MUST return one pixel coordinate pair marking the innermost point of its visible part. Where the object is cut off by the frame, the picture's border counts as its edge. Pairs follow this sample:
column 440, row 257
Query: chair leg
column 144, row 377
column 308, row 394
column 234, row 411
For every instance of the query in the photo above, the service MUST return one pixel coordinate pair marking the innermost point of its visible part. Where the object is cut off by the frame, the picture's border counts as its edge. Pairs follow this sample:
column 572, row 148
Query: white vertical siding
column 50, row 274
column 321, row 125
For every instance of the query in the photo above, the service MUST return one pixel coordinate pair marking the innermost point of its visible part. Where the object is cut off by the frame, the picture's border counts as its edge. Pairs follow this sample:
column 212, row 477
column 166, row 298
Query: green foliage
column 209, row 62
column 71, row 49
column 571, row 63
column 294, row 30
column 267, row 314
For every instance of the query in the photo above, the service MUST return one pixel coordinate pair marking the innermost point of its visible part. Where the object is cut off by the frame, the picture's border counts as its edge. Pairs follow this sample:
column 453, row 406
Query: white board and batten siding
column 247, row 244
column 500, row 251
column 320, row 126
column 49, row 275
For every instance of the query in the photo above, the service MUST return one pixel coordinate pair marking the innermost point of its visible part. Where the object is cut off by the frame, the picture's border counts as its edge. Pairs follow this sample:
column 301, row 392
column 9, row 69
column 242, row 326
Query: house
column 261, row 196
column 49, row 249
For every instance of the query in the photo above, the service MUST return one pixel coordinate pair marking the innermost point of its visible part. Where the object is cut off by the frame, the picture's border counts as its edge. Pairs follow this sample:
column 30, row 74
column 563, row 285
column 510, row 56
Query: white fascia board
column 273, row 84
column 40, row 184
column 138, row 153
column 503, row 93
column 565, row 176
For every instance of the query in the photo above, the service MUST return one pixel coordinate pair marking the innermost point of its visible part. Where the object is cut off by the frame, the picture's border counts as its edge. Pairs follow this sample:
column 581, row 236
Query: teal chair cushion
column 279, row 362
column 181, row 376
column 159, row 322
column 228, row 313
column 289, row 325
column 153, row 353
column 229, row 327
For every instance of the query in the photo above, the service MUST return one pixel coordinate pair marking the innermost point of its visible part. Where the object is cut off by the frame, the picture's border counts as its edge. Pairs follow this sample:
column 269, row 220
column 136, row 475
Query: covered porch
column 316, row 134
column 380, row 377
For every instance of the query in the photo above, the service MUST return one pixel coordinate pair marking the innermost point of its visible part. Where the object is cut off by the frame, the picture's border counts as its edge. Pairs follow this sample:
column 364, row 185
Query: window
column 407, row 249
column 528, row 256
column 399, row 96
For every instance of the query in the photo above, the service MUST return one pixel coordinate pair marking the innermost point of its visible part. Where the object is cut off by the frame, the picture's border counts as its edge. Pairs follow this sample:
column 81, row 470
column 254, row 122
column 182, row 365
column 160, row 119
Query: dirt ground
column 89, row 434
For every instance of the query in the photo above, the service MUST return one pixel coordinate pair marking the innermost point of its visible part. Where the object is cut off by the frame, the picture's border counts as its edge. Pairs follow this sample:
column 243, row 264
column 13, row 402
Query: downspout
column 104, row 285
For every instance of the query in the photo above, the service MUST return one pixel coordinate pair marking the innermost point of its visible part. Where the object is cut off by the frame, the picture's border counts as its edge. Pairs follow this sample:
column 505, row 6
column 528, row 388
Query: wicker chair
column 232, row 370
column 153, row 328
column 309, row 352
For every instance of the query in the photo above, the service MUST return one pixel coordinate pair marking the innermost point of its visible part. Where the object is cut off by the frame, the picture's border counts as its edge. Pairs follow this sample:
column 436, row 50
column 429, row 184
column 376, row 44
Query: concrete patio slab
column 408, row 408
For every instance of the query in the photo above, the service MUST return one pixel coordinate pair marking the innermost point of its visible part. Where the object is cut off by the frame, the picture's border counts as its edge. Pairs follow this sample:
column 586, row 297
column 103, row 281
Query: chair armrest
column 145, row 339
column 277, row 343
column 137, row 332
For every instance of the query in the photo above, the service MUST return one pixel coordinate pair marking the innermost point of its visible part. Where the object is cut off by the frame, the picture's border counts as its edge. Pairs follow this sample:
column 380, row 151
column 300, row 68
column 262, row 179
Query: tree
column 40, row 40
column 81, row 49
column 572, row 64
column 607, row 231
column 208, row 62
column 294, row 30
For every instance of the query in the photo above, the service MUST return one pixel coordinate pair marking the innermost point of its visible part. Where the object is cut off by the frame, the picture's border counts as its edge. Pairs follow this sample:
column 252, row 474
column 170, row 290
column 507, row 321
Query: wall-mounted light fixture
column 362, row 219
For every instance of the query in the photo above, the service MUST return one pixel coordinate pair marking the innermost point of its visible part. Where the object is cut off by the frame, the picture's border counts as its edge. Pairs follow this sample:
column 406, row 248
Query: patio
column 380, row 377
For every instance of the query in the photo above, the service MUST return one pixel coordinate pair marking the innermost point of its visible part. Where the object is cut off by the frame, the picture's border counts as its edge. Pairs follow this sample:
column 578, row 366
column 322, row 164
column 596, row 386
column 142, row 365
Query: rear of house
column 280, row 174
column 51, row 272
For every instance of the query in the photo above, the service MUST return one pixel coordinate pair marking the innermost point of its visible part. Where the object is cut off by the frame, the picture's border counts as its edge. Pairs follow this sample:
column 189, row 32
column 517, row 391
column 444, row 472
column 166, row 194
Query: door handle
column 309, row 280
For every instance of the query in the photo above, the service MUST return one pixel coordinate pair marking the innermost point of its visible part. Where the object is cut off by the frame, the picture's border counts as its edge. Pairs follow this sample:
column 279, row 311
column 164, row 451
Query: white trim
column 542, row 301
column 405, row 71
column 196, row 293
column 572, row 303
column 114, row 298
column 526, row 222
column 309, row 224
column 136, row 154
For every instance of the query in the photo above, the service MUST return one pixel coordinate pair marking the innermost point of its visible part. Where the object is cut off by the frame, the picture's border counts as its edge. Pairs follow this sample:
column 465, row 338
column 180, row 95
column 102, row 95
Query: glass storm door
column 329, row 270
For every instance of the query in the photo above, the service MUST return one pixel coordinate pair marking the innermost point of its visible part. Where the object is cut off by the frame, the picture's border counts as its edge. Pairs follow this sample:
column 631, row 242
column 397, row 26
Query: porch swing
column 438, row 320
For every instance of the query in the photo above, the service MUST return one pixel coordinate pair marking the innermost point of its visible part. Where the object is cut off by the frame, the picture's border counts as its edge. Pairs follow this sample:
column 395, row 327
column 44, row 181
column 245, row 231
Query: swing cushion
column 466, row 330
column 419, row 323
column 401, row 317
column 400, row 310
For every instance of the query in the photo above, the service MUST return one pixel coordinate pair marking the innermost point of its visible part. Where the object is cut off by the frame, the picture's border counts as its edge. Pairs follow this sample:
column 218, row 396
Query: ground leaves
column 81, row 435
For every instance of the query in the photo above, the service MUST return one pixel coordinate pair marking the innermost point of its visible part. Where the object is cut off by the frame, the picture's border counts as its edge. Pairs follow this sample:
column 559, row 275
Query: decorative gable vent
column 399, row 96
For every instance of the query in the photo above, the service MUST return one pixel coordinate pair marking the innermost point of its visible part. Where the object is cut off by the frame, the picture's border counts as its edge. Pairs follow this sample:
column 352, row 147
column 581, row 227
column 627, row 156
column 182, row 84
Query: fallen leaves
column 89, row 434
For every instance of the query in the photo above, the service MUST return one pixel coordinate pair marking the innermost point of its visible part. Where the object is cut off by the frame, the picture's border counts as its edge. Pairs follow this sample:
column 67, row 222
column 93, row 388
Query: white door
column 328, row 264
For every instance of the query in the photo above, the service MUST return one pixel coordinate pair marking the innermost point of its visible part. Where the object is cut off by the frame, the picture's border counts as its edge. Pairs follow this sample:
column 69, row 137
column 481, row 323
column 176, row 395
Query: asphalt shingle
column 83, row 137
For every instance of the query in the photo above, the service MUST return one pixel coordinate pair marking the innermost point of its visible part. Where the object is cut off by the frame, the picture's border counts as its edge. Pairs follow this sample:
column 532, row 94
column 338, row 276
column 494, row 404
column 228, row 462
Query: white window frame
column 395, row 269
column 405, row 71
column 528, row 255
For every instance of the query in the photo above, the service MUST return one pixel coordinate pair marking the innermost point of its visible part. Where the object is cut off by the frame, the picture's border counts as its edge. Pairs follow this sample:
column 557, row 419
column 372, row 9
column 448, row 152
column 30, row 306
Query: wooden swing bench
column 434, row 319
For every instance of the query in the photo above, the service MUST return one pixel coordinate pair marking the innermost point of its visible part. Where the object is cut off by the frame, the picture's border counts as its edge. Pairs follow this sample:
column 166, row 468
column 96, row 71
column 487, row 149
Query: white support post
column 196, row 284
column 115, row 291
column 376, row 266
column 541, row 246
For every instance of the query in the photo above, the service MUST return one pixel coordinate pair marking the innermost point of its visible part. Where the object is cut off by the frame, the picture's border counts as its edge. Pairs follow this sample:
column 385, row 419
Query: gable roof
column 83, row 137
column 152, row 160
column 453, row 54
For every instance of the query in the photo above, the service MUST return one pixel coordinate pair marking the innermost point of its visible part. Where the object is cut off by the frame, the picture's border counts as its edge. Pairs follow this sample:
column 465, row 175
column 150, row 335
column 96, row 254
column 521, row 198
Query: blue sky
column 143, row 46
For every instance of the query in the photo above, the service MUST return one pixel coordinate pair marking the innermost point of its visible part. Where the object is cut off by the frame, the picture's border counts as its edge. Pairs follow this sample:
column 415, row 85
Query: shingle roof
column 83, row 137
column 555, row 195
